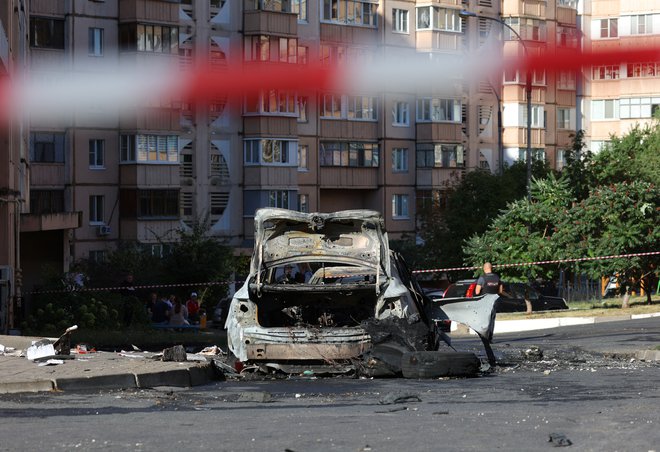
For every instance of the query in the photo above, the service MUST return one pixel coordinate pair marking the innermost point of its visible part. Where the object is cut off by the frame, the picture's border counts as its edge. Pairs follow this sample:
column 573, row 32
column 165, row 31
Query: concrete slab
column 115, row 381
column 26, row 386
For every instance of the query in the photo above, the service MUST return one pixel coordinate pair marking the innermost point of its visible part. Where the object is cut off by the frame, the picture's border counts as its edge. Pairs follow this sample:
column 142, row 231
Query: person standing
column 489, row 282
column 178, row 313
column 193, row 308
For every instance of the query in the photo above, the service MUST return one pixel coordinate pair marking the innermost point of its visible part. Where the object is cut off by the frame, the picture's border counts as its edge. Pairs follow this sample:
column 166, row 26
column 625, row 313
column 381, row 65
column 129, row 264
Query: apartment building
column 616, row 97
column 99, row 180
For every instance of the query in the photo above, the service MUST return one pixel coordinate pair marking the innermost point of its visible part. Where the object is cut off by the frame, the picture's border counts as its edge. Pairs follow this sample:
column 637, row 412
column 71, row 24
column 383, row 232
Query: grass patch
column 607, row 308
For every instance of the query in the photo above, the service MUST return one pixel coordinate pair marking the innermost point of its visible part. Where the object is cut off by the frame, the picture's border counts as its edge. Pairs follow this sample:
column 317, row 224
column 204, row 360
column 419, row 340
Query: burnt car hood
column 350, row 236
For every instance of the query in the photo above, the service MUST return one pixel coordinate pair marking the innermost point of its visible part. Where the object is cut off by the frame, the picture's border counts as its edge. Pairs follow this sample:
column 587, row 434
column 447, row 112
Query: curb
column 185, row 378
column 648, row 355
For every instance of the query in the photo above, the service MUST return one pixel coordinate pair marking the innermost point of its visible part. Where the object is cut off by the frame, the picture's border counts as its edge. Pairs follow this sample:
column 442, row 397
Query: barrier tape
column 557, row 261
column 434, row 270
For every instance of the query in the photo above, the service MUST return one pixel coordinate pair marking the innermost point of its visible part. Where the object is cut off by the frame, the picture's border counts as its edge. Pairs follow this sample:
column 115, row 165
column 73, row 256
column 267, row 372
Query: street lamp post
column 528, row 93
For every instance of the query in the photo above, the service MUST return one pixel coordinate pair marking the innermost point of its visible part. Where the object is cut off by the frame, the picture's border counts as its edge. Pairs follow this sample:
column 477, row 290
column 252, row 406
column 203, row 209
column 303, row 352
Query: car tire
column 439, row 364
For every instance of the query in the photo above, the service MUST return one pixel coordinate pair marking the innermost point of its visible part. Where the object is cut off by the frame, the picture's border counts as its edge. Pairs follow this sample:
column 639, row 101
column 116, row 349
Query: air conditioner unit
column 103, row 230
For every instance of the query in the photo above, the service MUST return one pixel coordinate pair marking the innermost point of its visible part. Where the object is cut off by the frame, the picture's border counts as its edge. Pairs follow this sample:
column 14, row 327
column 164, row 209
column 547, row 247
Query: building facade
column 617, row 97
column 96, row 181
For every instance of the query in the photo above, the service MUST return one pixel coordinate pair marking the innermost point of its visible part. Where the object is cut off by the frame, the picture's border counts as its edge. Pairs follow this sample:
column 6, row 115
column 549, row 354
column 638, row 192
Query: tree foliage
column 600, row 205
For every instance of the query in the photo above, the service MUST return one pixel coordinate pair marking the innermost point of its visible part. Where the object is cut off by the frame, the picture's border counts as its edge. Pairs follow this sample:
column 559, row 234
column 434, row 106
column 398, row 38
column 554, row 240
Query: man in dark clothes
column 160, row 312
column 489, row 282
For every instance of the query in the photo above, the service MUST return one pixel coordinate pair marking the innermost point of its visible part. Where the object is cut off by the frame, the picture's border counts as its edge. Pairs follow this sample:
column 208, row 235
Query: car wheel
column 439, row 364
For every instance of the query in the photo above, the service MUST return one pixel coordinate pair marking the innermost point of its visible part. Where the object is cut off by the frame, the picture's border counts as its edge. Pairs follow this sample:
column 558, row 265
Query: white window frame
column 95, row 36
column 270, row 152
column 566, row 80
column 563, row 118
column 400, row 160
column 401, row 113
column 608, row 28
column 430, row 110
column 438, row 18
column 400, row 206
column 599, row 108
column 303, row 202
column 641, row 24
column 361, row 13
column 609, row 72
column 538, row 116
column 400, row 22
column 96, row 154
column 361, row 108
column 300, row 7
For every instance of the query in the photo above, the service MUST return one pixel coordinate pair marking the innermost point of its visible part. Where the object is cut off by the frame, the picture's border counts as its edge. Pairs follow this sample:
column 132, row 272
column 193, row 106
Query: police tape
column 556, row 261
column 75, row 288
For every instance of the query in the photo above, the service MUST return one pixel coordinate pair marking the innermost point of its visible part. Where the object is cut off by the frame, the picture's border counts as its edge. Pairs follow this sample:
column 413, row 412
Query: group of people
column 172, row 311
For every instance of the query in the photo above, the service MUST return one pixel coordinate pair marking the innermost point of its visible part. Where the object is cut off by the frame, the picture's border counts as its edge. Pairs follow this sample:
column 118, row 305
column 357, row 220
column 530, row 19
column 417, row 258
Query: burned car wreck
column 325, row 291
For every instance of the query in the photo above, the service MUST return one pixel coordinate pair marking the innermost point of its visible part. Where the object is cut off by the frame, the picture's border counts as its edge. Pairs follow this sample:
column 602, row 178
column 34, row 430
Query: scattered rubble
column 393, row 397
column 559, row 440
column 176, row 353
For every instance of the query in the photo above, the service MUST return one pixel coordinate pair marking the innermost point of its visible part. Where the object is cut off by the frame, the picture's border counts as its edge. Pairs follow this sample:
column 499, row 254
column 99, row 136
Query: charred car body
column 324, row 288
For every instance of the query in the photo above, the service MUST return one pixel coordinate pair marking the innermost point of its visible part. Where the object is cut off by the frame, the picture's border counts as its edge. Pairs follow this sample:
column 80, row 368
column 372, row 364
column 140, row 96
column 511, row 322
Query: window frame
column 96, row 210
column 400, row 160
column 95, row 37
column 400, row 21
column 400, row 206
column 401, row 116
column 96, row 154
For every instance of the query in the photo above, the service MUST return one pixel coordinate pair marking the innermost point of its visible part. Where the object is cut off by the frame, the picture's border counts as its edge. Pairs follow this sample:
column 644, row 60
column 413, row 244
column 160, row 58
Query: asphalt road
column 599, row 402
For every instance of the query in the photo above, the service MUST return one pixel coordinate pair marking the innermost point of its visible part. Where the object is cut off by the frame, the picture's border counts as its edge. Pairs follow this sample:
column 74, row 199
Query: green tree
column 524, row 232
column 620, row 218
column 197, row 257
column 473, row 203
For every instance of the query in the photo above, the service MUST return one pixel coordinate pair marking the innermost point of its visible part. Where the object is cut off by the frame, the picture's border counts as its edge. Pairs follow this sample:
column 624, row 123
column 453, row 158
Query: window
column 96, row 209
column 563, row 118
column 567, row 36
column 300, row 7
column 97, row 256
column 96, row 153
column 538, row 77
column 597, row 146
column 350, row 12
column 637, row 107
column 400, row 160
column 149, row 149
column 47, row 147
column 278, row 198
column 349, row 154
column 400, row 206
column 430, row 200
column 273, row 101
column 609, row 28
column 362, row 107
column 561, row 159
column 303, row 203
column 334, row 54
column 302, row 54
column 399, row 20
column 438, row 110
column 149, row 203
column 538, row 116
column 95, row 42
column 400, row 113
column 331, row 106
column 302, row 108
column 47, row 33
column 538, row 154
column 431, row 155
column 528, row 29
column 641, row 24
column 288, row 50
column 605, row 109
column 303, row 156
column 511, row 76
column 605, row 72
column 436, row 18
column 149, row 38
column 46, row 201
column 566, row 80
column 270, row 151
column 257, row 48
column 636, row 70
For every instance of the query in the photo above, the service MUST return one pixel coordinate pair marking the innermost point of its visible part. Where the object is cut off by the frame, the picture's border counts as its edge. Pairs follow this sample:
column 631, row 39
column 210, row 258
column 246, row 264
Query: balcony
column 271, row 176
column 348, row 178
column 160, row 11
column 270, row 22
column 51, row 221
column 162, row 119
column 439, row 131
column 150, row 175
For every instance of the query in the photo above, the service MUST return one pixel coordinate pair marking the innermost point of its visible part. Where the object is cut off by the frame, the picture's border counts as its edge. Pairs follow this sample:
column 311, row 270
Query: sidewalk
column 94, row 371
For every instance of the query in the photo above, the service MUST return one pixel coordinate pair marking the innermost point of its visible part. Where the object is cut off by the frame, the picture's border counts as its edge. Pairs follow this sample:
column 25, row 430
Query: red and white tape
column 556, row 261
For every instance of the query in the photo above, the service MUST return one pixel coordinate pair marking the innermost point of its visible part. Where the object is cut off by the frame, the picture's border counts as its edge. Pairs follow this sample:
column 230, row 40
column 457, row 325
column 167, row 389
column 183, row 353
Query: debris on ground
column 63, row 344
column 259, row 397
column 176, row 353
column 533, row 353
column 211, row 351
column 40, row 349
column 559, row 440
column 51, row 362
column 83, row 349
column 398, row 397
column 10, row 351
